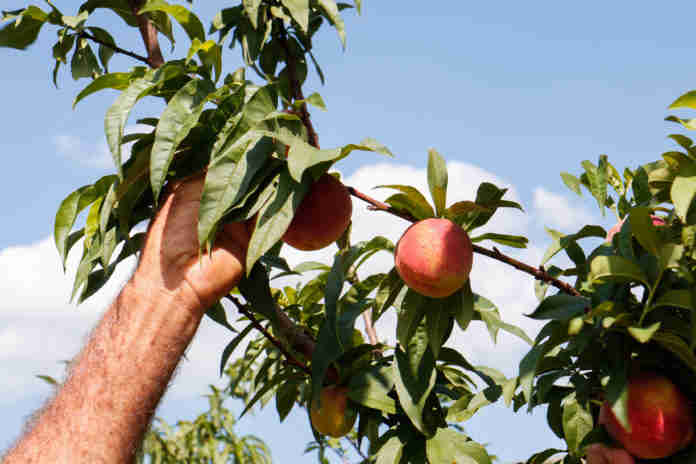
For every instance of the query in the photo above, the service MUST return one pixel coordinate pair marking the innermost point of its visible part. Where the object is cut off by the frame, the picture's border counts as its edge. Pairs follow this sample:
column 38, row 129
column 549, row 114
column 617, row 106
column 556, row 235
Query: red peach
column 322, row 217
column 656, row 220
column 434, row 257
column 661, row 418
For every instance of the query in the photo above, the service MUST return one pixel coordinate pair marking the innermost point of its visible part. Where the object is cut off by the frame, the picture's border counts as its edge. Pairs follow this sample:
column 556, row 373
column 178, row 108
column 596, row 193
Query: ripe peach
column 334, row 417
column 661, row 418
column 434, row 257
column 656, row 220
column 322, row 217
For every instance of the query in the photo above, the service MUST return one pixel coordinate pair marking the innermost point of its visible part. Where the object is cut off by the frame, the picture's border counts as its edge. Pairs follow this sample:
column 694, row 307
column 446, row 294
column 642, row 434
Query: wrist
column 152, row 290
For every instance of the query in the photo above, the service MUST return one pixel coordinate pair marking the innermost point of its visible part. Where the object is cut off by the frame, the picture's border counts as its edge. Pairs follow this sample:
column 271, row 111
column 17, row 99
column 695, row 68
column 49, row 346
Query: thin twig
column 538, row 274
column 297, row 88
column 242, row 308
column 113, row 47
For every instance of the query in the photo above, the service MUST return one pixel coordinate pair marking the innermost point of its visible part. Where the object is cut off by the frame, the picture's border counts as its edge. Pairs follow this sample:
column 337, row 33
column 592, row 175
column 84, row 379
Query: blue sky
column 510, row 91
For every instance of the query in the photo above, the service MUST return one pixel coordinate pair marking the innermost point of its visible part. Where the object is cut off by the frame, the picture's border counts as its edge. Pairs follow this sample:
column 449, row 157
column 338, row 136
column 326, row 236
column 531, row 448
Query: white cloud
column 94, row 154
column 558, row 212
column 40, row 328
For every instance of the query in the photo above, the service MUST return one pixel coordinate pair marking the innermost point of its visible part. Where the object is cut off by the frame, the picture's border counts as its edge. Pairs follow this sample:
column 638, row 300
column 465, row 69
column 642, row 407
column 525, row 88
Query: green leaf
column 678, row 347
column 68, row 210
column 388, row 290
column 676, row 299
column 560, row 307
column 105, row 52
column 684, row 190
column 275, row 216
column 490, row 315
column 598, row 179
column 177, row 120
column 285, row 398
column 515, row 241
column 118, row 81
column 572, row 182
column 438, row 321
column 414, row 377
column 450, row 446
column 390, row 452
column 371, row 388
column 84, row 63
column 252, row 10
column 117, row 114
column 437, row 181
column 299, row 10
column 561, row 242
column 217, row 314
column 21, row 33
column 412, row 312
column 410, row 200
column 577, row 422
column 644, row 334
column 688, row 100
column 616, row 268
column 228, row 179
column 331, row 10
column 643, row 229
column 189, row 21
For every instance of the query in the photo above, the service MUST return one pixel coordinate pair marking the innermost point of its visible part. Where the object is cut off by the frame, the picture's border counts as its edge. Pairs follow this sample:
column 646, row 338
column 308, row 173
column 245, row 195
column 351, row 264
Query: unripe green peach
column 334, row 417
column 434, row 257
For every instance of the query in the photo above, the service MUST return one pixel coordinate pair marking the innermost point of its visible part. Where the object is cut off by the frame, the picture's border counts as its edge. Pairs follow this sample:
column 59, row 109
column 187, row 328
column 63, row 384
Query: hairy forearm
column 102, row 411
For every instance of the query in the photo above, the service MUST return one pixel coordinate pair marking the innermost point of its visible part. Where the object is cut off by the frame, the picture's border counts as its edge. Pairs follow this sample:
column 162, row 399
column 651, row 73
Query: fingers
column 601, row 454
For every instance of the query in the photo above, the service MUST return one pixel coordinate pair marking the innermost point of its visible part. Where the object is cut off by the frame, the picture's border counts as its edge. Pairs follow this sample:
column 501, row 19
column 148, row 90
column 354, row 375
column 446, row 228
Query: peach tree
column 619, row 315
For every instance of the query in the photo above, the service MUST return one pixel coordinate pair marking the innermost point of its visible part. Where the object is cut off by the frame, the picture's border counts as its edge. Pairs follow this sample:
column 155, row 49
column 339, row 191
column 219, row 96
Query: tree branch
column 296, row 87
column 297, row 338
column 120, row 50
column 149, row 35
column 242, row 308
column 537, row 273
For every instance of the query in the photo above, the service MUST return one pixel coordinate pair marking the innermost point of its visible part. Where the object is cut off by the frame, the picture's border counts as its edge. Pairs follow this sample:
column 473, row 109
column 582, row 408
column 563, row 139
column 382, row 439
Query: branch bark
column 149, row 35
column 537, row 273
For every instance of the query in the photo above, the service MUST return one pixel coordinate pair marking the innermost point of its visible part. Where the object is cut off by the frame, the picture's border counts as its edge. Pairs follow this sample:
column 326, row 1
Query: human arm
column 102, row 411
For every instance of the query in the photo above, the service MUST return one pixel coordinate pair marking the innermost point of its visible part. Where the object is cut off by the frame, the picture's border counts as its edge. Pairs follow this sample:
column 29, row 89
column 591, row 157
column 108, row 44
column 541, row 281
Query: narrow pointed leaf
column 299, row 10
column 117, row 114
column 189, row 21
column 175, row 123
column 437, row 181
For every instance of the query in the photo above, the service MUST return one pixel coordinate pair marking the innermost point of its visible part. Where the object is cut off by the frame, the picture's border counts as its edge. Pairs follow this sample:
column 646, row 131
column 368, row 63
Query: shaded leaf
column 177, row 120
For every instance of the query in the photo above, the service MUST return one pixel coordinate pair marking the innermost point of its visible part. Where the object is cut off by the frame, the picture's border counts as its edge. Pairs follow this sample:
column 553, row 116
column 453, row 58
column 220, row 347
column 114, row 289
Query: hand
column 170, row 264
column 601, row 454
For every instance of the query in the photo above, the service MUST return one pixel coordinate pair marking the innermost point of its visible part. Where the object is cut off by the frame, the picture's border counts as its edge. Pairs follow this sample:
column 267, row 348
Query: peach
column 334, row 416
column 434, row 257
column 656, row 220
column 322, row 217
column 661, row 418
